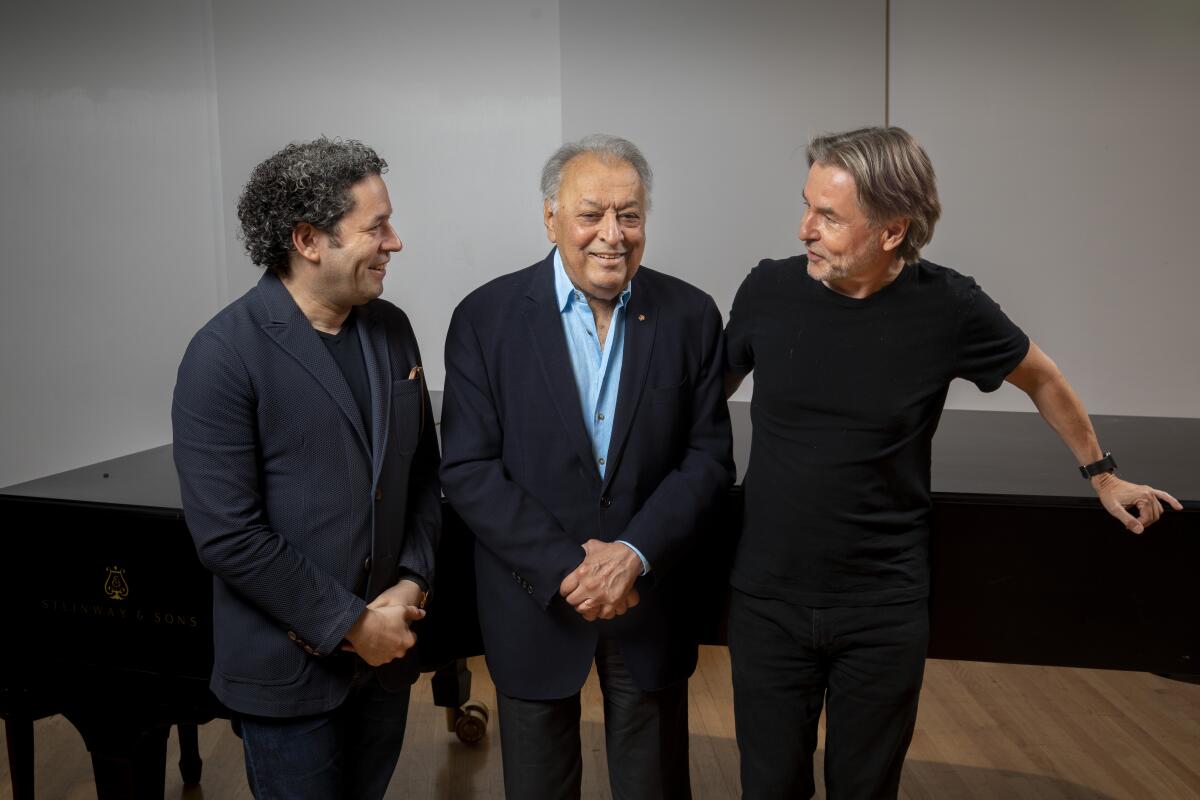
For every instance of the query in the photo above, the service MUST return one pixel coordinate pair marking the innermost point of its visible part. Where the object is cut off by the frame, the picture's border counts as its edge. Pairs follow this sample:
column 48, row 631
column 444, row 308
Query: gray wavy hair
column 894, row 177
column 304, row 182
column 598, row 144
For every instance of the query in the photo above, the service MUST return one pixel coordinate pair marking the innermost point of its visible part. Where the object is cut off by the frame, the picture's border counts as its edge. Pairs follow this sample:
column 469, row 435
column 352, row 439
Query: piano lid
column 1016, row 453
column 974, row 452
column 146, row 479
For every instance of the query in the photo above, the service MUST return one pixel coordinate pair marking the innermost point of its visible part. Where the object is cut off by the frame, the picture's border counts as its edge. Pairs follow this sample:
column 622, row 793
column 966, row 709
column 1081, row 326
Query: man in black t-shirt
column 854, row 345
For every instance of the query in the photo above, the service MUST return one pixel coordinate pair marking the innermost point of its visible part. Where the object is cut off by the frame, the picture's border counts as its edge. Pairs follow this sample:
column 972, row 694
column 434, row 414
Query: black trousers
column 645, row 737
column 864, row 665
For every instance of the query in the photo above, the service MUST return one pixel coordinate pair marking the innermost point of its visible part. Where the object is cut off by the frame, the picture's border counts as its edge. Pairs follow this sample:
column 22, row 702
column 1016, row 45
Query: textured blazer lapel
column 379, row 375
column 292, row 331
column 641, row 321
column 544, row 322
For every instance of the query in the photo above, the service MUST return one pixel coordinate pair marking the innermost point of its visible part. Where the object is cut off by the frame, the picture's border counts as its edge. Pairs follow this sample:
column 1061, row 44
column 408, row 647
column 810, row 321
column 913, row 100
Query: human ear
column 304, row 240
column 548, row 218
column 893, row 233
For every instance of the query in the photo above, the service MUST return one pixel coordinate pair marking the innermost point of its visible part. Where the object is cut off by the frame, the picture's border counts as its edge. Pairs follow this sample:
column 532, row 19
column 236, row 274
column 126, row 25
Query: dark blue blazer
column 302, row 513
column 518, row 467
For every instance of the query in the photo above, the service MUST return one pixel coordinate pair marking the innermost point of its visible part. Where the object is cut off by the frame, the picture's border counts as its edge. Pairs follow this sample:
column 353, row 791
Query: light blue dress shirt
column 597, row 367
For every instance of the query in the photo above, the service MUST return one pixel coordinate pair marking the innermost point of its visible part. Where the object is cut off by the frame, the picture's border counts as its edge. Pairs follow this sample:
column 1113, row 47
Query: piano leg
column 18, row 729
column 129, row 761
column 451, row 684
column 190, row 764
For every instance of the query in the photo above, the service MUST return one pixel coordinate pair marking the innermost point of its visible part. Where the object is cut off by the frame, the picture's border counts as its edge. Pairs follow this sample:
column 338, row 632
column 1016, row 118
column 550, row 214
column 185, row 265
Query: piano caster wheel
column 470, row 722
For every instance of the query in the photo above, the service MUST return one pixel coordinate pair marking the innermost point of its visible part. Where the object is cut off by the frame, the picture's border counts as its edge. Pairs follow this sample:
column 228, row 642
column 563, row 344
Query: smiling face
column 330, row 272
column 843, row 243
column 353, row 262
column 599, row 225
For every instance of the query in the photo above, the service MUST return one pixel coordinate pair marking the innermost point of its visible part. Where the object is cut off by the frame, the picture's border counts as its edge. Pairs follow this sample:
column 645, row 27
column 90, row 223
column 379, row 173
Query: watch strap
column 1105, row 464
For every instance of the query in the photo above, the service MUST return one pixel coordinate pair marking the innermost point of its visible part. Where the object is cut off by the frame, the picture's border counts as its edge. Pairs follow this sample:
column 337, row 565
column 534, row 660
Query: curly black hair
column 305, row 182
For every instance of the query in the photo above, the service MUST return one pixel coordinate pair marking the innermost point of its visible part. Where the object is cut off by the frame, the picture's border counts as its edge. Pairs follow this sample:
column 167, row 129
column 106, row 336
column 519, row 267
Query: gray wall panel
column 108, row 195
column 722, row 98
column 1062, row 133
column 1064, row 136
column 461, row 98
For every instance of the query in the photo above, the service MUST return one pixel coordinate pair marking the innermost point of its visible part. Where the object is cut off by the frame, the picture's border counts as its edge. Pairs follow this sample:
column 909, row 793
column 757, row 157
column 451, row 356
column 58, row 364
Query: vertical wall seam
column 216, row 184
column 562, row 105
column 887, row 62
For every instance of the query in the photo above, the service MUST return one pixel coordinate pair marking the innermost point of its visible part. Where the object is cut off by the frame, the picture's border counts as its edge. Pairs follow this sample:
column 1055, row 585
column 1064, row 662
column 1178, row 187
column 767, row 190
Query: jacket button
column 605, row 501
column 378, row 494
column 367, row 565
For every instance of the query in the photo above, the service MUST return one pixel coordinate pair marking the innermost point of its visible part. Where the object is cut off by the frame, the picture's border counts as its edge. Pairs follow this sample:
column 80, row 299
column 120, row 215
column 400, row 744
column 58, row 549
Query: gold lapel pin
column 641, row 317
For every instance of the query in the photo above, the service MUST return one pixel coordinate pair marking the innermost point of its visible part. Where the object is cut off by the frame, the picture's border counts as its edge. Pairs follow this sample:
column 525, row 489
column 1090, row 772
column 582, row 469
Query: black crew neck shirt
column 847, row 396
column 347, row 352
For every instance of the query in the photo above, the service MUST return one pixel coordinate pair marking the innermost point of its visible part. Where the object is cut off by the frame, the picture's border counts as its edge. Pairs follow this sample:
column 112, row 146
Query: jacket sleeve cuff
column 410, row 575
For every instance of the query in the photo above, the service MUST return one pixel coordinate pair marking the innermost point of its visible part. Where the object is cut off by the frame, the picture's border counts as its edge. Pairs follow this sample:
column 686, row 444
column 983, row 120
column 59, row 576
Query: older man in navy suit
column 586, row 437
column 308, row 463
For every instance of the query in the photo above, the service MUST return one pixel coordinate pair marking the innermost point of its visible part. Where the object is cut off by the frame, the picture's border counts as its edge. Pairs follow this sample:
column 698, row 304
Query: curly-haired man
column 308, row 463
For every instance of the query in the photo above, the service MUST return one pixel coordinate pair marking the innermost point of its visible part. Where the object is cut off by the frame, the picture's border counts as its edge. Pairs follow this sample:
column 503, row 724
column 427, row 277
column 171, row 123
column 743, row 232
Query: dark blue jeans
column 350, row 752
column 864, row 665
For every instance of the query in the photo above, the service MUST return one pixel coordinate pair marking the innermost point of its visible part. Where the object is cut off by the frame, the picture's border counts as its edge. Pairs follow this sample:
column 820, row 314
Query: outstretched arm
column 1039, row 377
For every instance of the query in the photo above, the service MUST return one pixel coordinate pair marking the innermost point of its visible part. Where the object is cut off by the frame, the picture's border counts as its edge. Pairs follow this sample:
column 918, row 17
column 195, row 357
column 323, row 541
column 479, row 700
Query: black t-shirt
column 847, row 395
column 347, row 352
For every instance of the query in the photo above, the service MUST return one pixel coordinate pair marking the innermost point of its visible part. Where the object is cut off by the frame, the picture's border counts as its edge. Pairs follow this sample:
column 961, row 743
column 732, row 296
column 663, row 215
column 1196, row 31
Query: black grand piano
column 107, row 609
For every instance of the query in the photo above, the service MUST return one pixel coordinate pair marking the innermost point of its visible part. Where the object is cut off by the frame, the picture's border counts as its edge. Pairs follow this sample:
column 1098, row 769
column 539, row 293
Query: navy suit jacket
column 518, row 467
column 302, row 513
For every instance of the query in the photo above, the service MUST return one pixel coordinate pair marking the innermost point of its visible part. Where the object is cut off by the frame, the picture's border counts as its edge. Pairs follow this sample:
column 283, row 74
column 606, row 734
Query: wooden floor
column 984, row 731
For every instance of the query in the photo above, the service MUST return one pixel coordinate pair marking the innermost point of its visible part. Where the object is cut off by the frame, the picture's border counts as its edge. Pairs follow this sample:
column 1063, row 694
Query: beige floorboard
column 987, row 731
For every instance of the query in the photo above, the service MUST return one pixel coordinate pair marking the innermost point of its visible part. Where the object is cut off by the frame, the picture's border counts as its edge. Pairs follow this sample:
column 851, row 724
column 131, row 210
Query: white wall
column 109, row 203
column 130, row 130
column 460, row 97
column 721, row 97
column 1062, row 134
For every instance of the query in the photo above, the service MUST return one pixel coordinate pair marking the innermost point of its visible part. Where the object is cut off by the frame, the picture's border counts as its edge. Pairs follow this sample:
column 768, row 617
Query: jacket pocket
column 407, row 410
column 668, row 394
column 250, row 647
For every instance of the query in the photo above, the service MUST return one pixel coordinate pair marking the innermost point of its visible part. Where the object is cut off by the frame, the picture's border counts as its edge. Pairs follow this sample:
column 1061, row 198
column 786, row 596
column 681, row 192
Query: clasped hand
column 601, row 587
column 384, row 631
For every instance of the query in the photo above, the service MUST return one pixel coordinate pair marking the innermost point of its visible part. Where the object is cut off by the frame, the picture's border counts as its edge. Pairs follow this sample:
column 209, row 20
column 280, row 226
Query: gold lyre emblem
column 115, row 586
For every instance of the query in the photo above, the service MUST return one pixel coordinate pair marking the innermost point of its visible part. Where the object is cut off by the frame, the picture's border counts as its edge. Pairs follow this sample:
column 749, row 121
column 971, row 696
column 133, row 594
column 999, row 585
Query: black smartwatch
column 1106, row 464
